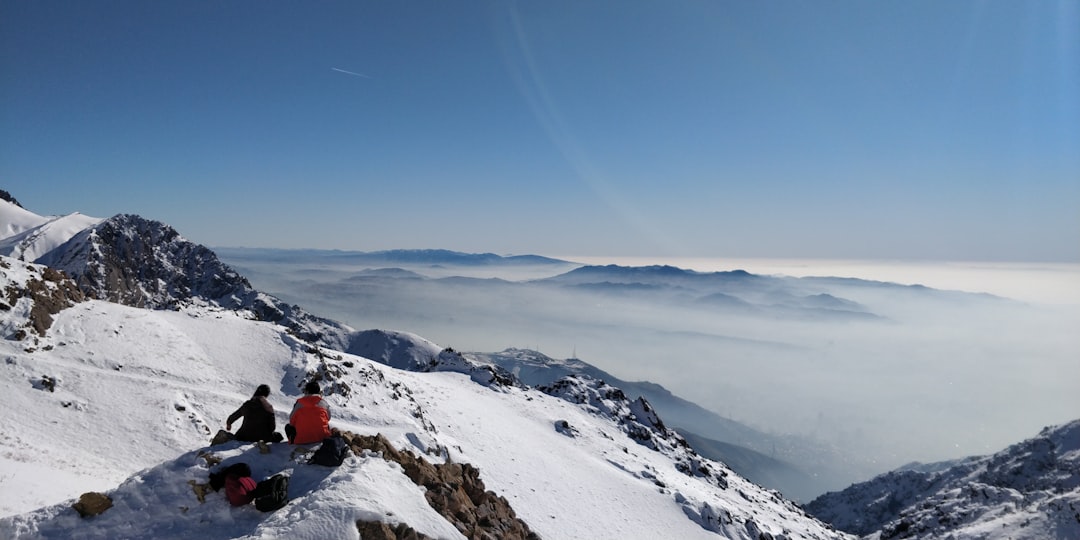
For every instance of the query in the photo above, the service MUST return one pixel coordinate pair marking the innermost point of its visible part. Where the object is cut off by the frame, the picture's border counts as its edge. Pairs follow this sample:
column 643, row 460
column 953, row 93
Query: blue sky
column 896, row 130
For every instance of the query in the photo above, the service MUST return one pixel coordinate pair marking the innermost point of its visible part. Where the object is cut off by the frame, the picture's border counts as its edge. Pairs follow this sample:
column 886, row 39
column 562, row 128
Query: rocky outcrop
column 4, row 195
column 92, row 503
column 48, row 290
column 377, row 530
column 638, row 420
column 143, row 263
column 1029, row 490
column 411, row 352
column 455, row 490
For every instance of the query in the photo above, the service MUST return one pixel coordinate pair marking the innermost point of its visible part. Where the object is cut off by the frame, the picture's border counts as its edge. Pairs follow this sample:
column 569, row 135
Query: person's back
column 310, row 420
column 258, row 414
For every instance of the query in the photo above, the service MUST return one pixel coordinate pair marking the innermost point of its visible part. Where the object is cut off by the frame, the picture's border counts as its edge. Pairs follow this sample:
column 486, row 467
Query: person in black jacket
column 258, row 414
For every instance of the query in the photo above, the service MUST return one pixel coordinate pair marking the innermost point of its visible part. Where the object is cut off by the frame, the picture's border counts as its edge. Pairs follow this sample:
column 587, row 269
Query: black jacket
column 259, row 423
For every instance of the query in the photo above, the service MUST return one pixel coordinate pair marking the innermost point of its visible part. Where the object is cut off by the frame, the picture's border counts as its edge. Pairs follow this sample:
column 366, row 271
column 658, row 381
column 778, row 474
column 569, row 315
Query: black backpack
column 272, row 493
column 331, row 453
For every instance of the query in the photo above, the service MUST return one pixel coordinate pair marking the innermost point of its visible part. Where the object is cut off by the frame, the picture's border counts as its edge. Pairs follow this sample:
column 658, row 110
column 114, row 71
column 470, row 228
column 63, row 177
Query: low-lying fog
column 899, row 373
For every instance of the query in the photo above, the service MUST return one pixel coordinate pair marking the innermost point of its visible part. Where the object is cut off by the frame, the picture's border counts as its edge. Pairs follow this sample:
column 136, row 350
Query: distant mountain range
column 387, row 257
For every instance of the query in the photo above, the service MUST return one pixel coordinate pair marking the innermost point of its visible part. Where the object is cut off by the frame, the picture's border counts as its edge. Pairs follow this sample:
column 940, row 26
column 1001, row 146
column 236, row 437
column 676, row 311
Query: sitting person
column 310, row 419
column 258, row 415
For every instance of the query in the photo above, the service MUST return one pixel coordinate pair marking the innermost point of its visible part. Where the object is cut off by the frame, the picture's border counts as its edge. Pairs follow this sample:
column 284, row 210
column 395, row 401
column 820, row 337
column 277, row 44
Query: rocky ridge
column 1029, row 490
column 143, row 263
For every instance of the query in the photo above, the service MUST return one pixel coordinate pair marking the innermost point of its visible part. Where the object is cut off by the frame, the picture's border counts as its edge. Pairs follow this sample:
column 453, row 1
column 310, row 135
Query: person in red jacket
column 310, row 419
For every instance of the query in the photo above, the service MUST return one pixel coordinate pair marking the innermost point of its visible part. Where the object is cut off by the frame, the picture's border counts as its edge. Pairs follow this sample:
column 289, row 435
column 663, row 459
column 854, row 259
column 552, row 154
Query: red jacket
column 238, row 489
column 311, row 419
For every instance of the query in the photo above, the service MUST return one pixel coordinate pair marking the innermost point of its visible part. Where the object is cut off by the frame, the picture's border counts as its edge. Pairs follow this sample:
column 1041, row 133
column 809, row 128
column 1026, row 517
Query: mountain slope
column 27, row 236
column 1029, row 490
column 116, row 390
column 745, row 449
column 138, row 262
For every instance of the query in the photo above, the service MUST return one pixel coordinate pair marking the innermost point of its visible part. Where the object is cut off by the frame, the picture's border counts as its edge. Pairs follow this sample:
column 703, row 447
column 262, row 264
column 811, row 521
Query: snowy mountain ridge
column 746, row 446
column 134, row 261
column 1029, row 490
column 176, row 374
column 27, row 236
column 120, row 391
column 137, row 387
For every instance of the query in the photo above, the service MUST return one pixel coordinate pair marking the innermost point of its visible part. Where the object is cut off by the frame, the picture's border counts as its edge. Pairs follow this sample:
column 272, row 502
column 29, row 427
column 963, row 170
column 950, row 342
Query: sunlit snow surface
column 139, row 393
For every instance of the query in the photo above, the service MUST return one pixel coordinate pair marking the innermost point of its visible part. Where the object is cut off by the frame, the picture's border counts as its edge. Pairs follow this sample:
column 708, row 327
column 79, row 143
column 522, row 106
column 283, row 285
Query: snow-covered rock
column 1029, row 490
column 138, row 262
column 32, row 295
column 411, row 352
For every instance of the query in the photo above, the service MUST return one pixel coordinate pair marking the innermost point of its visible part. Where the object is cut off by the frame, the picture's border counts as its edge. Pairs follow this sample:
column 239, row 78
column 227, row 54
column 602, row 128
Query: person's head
column 312, row 387
column 262, row 391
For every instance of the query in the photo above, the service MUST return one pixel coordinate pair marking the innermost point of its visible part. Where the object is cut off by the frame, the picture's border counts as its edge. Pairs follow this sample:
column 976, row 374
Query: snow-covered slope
column 27, row 236
column 797, row 470
column 121, row 400
column 1030, row 490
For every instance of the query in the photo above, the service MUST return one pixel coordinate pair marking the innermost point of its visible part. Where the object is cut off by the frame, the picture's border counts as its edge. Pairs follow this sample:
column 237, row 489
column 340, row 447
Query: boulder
column 92, row 504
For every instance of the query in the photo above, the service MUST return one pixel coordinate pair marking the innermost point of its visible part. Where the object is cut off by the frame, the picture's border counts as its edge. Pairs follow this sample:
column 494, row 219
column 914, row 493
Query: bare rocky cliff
column 143, row 263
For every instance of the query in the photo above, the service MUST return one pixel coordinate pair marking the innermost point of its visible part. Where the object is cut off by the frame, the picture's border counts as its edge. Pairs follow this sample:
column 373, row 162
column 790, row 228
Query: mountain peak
column 4, row 195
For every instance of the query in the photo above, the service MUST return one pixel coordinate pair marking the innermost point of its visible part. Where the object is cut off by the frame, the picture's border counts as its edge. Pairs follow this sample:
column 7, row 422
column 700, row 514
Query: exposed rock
column 637, row 419
column 200, row 489
column 49, row 294
column 410, row 352
column 221, row 437
column 455, row 490
column 143, row 263
column 377, row 530
column 7, row 197
column 92, row 504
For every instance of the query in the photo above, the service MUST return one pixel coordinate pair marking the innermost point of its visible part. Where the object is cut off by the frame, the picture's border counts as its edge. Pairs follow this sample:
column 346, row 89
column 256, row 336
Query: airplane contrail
column 351, row 72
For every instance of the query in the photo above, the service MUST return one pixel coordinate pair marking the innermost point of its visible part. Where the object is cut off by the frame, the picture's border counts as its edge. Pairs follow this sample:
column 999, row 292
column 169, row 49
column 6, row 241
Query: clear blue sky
column 933, row 130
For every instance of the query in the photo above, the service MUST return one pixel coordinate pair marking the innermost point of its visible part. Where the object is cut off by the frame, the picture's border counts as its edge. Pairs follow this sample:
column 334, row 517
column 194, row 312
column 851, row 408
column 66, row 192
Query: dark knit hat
column 312, row 387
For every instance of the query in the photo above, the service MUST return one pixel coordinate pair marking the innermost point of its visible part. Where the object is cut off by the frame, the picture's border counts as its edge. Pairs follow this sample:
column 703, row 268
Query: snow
column 28, row 236
column 124, row 401
column 139, row 393
column 159, row 502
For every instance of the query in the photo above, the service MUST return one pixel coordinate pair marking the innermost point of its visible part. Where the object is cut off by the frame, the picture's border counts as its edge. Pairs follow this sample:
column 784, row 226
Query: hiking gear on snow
column 272, row 493
column 238, row 484
column 221, row 437
column 238, row 489
column 217, row 479
column 331, row 453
